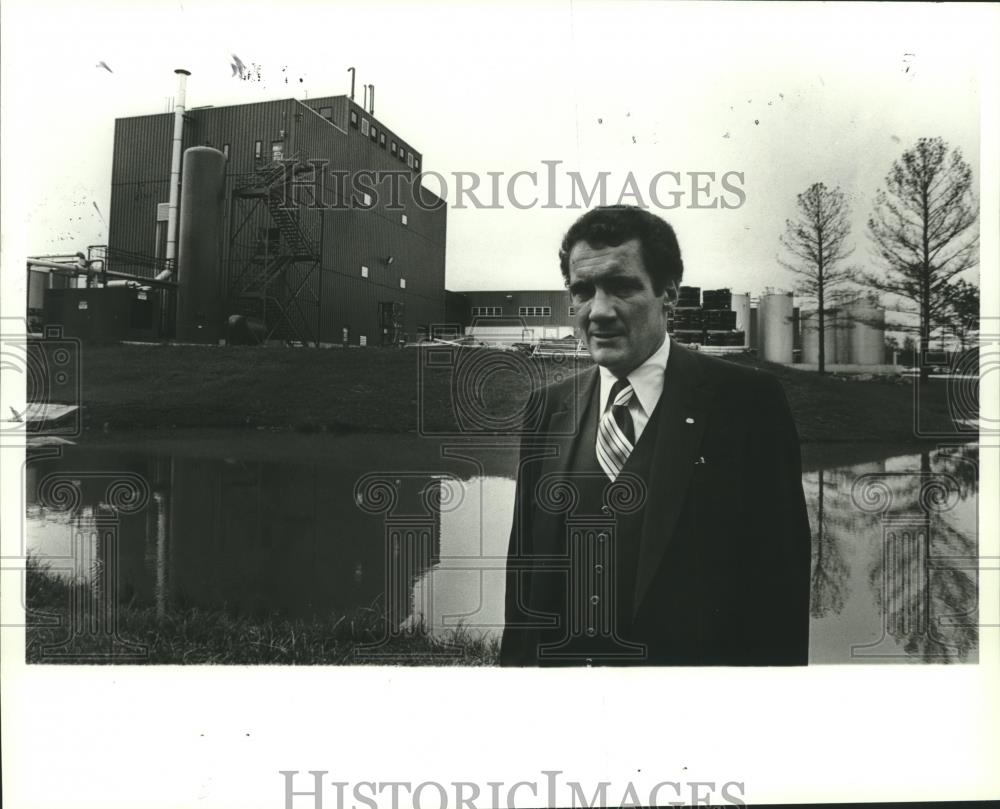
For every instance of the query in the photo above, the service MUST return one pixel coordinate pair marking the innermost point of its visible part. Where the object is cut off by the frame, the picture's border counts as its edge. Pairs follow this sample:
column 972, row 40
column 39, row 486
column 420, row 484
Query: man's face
column 623, row 320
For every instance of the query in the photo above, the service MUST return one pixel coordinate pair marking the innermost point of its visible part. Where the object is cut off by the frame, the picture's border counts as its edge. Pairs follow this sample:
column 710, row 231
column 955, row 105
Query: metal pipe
column 351, row 69
column 175, row 171
column 364, row 106
column 371, row 100
column 72, row 269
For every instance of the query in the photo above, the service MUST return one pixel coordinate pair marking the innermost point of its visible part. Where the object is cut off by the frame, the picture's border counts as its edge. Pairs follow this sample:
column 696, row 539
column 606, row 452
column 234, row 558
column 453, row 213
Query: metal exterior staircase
column 260, row 285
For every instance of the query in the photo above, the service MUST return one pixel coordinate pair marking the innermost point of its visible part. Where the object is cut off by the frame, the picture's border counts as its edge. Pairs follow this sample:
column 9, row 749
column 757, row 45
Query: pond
column 268, row 525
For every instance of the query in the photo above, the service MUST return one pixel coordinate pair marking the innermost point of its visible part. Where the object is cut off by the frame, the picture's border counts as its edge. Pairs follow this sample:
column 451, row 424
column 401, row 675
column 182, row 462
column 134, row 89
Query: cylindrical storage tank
column 810, row 338
column 741, row 305
column 200, row 293
column 38, row 282
column 776, row 326
column 867, row 333
column 842, row 328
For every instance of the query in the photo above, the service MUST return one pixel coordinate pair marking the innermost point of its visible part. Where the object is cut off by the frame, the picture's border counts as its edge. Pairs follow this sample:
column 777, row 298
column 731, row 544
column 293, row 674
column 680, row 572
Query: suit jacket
column 725, row 547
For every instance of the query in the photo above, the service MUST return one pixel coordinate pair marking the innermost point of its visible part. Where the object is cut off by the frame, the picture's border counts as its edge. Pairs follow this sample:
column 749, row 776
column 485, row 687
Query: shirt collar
column 647, row 379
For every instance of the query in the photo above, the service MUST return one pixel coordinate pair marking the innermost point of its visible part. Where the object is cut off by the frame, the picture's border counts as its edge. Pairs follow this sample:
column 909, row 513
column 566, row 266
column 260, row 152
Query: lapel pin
column 689, row 420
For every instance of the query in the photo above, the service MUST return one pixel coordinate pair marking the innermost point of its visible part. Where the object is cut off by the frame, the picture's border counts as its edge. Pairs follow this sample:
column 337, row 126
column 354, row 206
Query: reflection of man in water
column 684, row 539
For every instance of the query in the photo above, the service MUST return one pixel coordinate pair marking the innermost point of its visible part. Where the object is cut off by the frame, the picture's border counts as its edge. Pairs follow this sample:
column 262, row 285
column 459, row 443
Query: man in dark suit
column 659, row 517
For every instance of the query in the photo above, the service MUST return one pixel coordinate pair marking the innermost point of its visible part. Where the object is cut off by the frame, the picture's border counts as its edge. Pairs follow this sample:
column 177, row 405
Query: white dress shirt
column 647, row 386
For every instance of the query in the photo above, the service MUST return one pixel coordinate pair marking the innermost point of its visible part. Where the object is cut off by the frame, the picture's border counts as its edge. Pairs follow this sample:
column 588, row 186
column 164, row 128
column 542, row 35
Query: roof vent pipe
column 352, row 82
column 371, row 100
column 175, row 174
column 364, row 105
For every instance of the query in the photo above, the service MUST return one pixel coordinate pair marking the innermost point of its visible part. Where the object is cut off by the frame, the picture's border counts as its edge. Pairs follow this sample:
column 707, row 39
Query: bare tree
column 816, row 240
column 962, row 314
column 922, row 228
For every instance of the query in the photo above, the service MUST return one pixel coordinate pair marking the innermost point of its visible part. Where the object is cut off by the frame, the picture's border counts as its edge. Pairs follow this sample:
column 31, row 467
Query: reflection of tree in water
column 925, row 580
column 830, row 567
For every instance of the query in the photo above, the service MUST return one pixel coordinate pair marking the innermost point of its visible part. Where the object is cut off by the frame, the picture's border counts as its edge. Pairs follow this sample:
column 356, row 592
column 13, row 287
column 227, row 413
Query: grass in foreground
column 398, row 391
column 195, row 636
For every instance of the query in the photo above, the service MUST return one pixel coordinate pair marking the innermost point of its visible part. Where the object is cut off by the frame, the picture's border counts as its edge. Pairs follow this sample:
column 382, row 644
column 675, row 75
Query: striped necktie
column 616, row 433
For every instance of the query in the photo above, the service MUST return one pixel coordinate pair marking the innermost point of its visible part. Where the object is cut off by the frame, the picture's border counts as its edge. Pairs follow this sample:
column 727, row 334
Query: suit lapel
column 683, row 416
column 561, row 433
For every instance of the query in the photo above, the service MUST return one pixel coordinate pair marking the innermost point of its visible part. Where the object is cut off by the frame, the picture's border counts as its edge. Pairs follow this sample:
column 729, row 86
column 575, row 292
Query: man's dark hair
column 613, row 225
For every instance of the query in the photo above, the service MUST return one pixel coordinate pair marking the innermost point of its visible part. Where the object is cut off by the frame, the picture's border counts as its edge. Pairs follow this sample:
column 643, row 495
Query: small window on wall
column 416, row 164
column 277, row 150
column 373, row 134
column 394, row 148
column 326, row 112
column 364, row 126
column 381, row 140
column 402, row 154
column 402, row 283
column 258, row 149
column 364, row 271
column 572, row 311
column 354, row 118
column 409, row 160
column 403, row 219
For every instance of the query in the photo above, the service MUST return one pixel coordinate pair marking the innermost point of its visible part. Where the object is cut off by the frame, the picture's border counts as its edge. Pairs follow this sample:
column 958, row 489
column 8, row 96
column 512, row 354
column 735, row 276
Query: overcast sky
column 786, row 95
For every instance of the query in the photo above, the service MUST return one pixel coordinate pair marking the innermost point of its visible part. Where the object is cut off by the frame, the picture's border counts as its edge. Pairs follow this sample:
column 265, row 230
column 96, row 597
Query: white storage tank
column 741, row 305
column 775, row 327
column 865, row 325
column 810, row 338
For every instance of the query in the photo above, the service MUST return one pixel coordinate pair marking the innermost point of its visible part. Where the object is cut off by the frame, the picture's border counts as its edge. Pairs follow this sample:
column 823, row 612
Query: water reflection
column 894, row 559
column 317, row 532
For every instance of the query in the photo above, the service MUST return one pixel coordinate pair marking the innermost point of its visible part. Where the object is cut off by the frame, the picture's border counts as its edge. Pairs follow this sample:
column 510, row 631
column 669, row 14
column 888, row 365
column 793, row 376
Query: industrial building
column 512, row 316
column 294, row 221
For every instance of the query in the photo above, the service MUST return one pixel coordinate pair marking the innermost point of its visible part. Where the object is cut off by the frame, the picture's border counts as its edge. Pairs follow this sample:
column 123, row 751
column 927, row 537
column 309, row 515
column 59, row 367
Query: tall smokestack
column 175, row 170
column 371, row 100
column 364, row 105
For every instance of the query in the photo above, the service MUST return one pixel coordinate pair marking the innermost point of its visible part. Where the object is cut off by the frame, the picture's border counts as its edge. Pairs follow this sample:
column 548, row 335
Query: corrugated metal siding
column 351, row 238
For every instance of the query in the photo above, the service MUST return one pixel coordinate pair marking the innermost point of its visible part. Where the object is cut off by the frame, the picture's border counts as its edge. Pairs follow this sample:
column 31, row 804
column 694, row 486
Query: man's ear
column 670, row 294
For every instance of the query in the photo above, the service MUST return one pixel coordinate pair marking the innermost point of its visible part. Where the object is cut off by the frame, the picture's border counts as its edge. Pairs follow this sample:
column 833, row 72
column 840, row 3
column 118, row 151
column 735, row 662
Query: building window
column 258, row 149
column 277, row 150
column 364, row 271
column 416, row 164
column 487, row 311
column 402, row 283
column 534, row 311
column 572, row 311
column 225, row 150
column 374, row 132
column 403, row 219
column 394, row 148
column 402, row 153
column 409, row 160
column 364, row 126
column 381, row 140
column 354, row 118
column 326, row 112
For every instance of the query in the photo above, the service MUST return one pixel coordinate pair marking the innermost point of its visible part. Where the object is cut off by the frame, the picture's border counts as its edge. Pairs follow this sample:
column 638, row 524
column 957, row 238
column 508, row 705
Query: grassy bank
column 194, row 636
column 386, row 390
